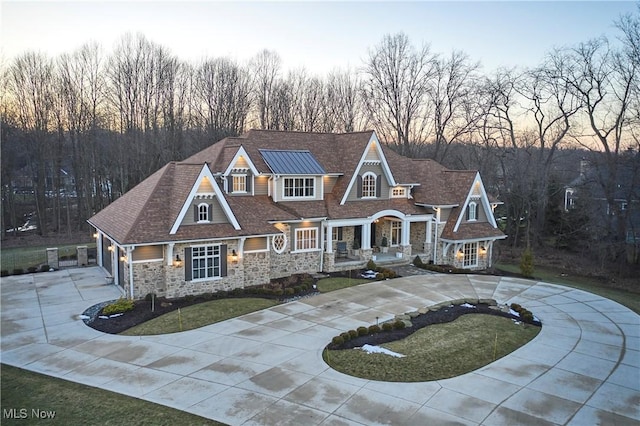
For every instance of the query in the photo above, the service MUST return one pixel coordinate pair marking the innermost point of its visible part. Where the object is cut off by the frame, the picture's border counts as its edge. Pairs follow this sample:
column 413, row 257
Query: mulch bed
column 441, row 316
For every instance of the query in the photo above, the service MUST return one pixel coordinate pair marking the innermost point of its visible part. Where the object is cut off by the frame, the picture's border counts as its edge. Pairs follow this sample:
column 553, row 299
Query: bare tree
column 453, row 101
column 395, row 85
column 344, row 102
column 223, row 96
column 31, row 76
column 265, row 68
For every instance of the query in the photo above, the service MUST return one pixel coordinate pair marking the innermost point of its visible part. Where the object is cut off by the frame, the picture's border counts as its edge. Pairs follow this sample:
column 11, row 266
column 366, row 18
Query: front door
column 357, row 234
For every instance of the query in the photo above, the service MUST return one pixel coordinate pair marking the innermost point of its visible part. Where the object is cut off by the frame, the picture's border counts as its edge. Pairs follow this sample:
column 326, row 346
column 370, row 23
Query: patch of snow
column 468, row 305
column 115, row 315
column 83, row 317
column 515, row 321
column 370, row 349
column 103, row 317
column 514, row 313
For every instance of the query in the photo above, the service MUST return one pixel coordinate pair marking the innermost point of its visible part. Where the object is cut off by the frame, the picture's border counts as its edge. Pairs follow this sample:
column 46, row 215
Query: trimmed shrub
column 363, row 331
column 418, row 262
column 387, row 326
column 4, row 273
column 527, row 316
column 371, row 265
column 45, row 268
column 353, row 333
column 32, row 269
column 18, row 271
column 237, row 291
column 345, row 336
column 374, row 329
column 289, row 291
column 516, row 307
column 119, row 306
column 308, row 282
column 399, row 325
column 380, row 276
column 221, row 294
column 337, row 341
column 278, row 292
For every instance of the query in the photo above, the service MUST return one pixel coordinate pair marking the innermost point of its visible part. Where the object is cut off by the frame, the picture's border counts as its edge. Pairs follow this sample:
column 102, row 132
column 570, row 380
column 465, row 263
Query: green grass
column 24, row 257
column 627, row 298
column 437, row 351
column 326, row 285
column 199, row 315
column 76, row 404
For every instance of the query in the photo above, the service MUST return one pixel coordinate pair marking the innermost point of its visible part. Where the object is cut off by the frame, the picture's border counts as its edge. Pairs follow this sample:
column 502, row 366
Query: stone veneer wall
column 417, row 236
column 256, row 268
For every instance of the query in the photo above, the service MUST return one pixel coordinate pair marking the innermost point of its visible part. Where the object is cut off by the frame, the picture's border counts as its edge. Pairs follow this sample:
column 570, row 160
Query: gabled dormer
column 296, row 175
column 372, row 178
column 205, row 204
column 477, row 207
column 239, row 177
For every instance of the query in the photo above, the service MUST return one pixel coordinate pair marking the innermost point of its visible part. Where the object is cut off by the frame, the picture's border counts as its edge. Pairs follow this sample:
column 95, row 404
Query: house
column 269, row 204
column 620, row 212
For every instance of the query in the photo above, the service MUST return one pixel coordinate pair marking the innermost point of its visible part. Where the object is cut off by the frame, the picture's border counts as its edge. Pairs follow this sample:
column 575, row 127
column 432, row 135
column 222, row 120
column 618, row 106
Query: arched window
column 369, row 185
column 472, row 211
column 203, row 212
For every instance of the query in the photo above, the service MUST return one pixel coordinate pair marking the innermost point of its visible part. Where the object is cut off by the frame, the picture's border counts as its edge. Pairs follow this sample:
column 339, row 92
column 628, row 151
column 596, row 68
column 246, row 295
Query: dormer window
column 203, row 213
column 472, row 211
column 399, row 192
column 239, row 183
column 299, row 187
column 369, row 185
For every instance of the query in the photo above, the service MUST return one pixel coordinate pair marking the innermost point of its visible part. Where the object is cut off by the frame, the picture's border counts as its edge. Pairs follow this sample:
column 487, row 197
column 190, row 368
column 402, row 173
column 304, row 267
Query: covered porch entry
column 388, row 236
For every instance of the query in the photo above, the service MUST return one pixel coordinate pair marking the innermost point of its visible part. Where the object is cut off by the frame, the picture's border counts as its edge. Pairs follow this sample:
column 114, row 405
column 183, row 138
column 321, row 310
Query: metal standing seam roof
column 292, row 162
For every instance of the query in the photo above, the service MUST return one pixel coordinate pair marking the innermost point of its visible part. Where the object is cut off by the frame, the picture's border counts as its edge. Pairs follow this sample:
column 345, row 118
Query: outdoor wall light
column 123, row 258
column 483, row 249
column 95, row 235
column 234, row 256
column 460, row 253
column 111, row 248
column 178, row 262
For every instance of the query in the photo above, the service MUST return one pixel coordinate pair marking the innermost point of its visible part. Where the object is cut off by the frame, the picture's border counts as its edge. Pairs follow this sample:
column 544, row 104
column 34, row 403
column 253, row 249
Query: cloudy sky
column 317, row 35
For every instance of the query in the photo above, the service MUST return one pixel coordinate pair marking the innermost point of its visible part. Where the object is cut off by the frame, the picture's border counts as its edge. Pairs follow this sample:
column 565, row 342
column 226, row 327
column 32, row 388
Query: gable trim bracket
column 383, row 162
column 483, row 198
column 205, row 172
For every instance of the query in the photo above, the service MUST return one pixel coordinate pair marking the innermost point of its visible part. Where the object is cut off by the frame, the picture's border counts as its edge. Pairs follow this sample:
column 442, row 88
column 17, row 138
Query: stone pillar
column 83, row 258
column 52, row 258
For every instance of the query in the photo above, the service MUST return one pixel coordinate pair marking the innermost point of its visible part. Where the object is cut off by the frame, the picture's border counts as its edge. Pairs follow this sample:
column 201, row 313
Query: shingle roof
column 147, row 212
column 291, row 162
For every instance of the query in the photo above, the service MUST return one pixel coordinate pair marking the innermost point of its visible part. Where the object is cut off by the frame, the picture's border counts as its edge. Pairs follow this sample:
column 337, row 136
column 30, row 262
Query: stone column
column 52, row 258
column 83, row 258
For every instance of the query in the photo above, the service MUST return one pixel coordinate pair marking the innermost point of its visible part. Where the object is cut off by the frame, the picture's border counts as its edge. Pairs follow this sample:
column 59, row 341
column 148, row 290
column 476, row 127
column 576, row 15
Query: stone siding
column 418, row 235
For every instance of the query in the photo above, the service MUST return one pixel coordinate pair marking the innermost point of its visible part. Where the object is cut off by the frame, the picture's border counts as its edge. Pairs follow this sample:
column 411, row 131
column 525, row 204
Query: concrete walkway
column 266, row 368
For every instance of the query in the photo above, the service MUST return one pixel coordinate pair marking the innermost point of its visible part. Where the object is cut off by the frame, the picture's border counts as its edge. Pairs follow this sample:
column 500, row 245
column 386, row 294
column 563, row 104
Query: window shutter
column 195, row 214
column 340, row 234
column 469, row 212
column 248, row 180
column 359, row 186
column 223, row 260
column 210, row 213
column 378, row 186
column 187, row 264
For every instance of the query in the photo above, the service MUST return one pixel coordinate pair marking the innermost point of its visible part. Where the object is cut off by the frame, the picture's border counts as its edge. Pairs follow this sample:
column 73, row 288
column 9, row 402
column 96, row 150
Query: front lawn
column 326, row 285
column 75, row 404
column 629, row 299
column 437, row 351
column 199, row 315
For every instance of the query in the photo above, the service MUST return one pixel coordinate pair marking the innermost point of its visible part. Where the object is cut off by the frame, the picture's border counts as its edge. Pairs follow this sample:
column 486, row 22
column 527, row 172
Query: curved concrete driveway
column 266, row 367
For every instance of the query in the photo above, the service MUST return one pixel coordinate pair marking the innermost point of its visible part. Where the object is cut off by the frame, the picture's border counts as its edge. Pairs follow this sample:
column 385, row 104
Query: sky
column 319, row 36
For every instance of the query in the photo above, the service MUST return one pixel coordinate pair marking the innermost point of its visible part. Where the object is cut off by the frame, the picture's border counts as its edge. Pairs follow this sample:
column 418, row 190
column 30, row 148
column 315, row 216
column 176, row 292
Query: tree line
column 82, row 128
